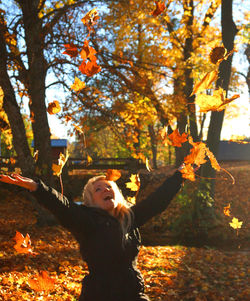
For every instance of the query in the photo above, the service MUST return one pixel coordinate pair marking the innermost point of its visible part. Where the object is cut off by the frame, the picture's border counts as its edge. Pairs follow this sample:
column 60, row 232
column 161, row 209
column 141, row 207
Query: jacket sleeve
column 157, row 201
column 73, row 217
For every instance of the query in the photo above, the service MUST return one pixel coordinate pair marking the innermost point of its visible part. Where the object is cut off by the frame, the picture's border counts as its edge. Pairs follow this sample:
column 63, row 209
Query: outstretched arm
column 21, row 181
column 66, row 211
column 157, row 201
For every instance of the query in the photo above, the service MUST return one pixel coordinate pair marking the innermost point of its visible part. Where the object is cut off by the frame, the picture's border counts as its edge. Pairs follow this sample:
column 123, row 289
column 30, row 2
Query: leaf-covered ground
column 170, row 272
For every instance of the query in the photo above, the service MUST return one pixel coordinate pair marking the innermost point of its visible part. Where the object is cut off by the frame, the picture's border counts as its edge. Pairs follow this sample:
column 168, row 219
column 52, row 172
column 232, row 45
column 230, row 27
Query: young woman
column 107, row 231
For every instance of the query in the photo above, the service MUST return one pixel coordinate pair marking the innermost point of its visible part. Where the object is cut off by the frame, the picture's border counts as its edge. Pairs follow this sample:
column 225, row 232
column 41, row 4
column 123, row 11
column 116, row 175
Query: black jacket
column 113, row 275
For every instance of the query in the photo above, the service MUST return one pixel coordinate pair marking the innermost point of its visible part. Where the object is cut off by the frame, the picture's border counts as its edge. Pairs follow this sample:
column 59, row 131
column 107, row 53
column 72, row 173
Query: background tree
column 229, row 31
column 27, row 33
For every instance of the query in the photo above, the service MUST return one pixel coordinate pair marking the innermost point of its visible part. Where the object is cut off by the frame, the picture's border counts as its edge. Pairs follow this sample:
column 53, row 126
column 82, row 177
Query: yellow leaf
column 235, row 223
column 205, row 82
column 57, row 168
column 78, row 85
column 89, row 160
column 132, row 200
column 134, row 185
column 215, row 102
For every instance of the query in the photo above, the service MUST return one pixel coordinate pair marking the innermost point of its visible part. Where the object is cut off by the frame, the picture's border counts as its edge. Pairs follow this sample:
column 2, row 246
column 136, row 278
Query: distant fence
column 8, row 164
column 105, row 163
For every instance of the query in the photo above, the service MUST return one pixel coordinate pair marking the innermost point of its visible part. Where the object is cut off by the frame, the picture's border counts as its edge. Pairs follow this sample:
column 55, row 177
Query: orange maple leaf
column 54, row 107
column 197, row 157
column 197, row 153
column 90, row 68
column 113, row 175
column 160, row 7
column 23, row 244
column 227, row 210
column 188, row 172
column 87, row 51
column 177, row 139
column 42, row 283
column 71, row 50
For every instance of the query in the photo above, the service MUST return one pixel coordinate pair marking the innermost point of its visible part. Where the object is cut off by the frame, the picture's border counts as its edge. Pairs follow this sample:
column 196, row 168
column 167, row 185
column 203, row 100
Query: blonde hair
column 122, row 212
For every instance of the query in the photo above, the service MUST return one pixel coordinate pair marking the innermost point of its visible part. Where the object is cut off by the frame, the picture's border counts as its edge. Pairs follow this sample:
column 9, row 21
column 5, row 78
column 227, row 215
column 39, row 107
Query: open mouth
column 107, row 198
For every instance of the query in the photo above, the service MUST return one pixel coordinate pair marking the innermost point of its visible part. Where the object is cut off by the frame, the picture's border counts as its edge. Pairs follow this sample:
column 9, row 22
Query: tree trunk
column 189, row 82
column 36, row 87
column 24, row 158
column 229, row 31
column 153, row 145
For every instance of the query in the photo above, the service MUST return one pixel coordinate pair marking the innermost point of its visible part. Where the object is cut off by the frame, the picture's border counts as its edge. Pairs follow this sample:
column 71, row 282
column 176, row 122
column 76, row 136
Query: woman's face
column 103, row 195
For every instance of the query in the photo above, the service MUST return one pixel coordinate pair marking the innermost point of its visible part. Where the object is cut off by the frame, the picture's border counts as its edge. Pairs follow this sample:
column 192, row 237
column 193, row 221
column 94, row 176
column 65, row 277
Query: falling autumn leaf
column 206, row 82
column 134, row 184
column 89, row 160
column 160, row 7
column 215, row 102
column 57, row 168
column 54, row 107
column 23, row 244
column 113, row 175
column 217, row 53
column 78, row 85
column 90, row 18
column 227, row 210
column 42, row 283
column 236, row 224
column 177, row 139
column 188, row 172
column 71, row 50
column 197, row 153
column 87, row 51
column 90, row 68
column 131, row 200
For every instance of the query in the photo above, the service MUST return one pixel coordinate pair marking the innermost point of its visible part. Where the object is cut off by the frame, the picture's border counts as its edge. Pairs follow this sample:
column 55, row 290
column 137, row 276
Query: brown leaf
column 217, row 54
column 71, row 50
column 160, row 7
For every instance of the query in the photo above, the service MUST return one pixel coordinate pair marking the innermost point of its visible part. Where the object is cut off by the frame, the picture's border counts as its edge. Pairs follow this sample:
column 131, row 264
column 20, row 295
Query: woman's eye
column 98, row 189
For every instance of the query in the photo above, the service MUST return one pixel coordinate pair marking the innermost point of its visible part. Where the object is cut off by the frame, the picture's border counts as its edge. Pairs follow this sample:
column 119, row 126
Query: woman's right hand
column 21, row 181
